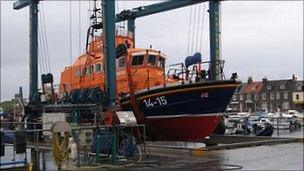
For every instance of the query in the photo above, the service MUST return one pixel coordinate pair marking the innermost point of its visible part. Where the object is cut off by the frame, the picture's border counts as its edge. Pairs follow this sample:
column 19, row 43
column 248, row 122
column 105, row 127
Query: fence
column 114, row 136
column 281, row 125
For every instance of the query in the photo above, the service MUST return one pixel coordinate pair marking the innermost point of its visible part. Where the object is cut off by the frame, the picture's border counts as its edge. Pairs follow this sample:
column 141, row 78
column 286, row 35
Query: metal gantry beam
column 21, row 4
column 214, row 21
column 142, row 11
column 155, row 8
column 108, row 16
column 33, row 7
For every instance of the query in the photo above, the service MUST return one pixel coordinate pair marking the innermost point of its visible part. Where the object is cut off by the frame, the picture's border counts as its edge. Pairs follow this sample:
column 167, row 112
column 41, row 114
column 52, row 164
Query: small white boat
column 299, row 116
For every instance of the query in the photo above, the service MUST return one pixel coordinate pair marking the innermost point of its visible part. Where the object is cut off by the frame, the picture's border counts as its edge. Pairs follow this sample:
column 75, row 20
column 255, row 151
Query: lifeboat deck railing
column 196, row 72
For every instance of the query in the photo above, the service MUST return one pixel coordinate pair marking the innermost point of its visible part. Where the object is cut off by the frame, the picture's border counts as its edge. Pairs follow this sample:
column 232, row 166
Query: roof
column 254, row 87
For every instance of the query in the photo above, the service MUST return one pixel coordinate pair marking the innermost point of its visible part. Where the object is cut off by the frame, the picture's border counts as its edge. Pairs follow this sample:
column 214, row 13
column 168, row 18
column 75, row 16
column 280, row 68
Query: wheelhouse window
column 97, row 67
column 151, row 59
column 138, row 60
column 121, row 62
column 91, row 70
column 84, row 71
column 161, row 62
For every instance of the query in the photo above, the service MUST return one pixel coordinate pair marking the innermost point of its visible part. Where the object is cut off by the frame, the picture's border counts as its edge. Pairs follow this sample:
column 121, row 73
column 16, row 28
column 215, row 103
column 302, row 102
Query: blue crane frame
column 109, row 35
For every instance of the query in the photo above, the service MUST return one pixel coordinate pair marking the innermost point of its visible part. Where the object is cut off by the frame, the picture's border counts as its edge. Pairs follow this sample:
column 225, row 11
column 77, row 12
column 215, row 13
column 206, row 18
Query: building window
column 268, row 87
column 285, row 95
column 299, row 87
column 138, row 60
column 91, row 70
column 234, row 98
column 271, row 96
column 241, row 97
column 256, row 97
column 248, row 96
column 264, row 96
column 278, row 95
column 271, row 107
column 84, row 71
column 264, row 105
column 285, row 105
column 282, row 87
column 297, row 97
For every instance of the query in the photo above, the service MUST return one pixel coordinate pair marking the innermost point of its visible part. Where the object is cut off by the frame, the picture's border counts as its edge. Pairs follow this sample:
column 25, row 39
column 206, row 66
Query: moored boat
column 188, row 111
column 184, row 104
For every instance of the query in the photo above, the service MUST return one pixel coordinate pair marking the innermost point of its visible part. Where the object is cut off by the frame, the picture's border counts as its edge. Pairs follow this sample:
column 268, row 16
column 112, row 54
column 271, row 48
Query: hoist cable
column 40, row 46
column 70, row 36
column 0, row 56
column 201, row 48
column 208, row 38
column 116, row 11
column 42, row 38
column 79, row 21
column 89, row 14
column 44, row 32
column 193, row 31
column 198, row 30
column 124, row 8
column 41, row 52
column 39, row 55
column 189, row 30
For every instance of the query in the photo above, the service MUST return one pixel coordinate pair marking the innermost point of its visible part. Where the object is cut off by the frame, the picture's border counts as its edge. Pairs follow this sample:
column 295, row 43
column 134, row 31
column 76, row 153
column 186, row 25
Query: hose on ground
column 60, row 148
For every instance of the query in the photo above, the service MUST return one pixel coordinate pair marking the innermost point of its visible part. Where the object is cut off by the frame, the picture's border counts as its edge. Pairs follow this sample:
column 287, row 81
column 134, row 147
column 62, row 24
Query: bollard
column 35, row 159
column 2, row 148
column 113, row 158
column 278, row 133
column 97, row 159
column 20, row 141
column 43, row 160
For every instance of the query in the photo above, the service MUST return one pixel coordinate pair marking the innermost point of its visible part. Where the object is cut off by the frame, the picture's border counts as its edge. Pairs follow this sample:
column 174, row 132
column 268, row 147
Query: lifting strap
column 139, row 116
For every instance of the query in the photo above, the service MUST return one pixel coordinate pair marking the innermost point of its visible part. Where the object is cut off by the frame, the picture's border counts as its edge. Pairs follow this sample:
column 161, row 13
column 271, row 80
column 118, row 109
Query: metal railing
column 196, row 72
column 39, row 142
column 281, row 125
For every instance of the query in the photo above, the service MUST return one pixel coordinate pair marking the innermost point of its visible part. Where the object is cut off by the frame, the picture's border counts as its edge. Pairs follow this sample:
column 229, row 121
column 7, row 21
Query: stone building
column 269, row 95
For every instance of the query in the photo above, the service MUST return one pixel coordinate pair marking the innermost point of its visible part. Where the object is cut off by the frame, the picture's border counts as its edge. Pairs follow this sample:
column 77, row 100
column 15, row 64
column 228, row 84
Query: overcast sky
column 258, row 38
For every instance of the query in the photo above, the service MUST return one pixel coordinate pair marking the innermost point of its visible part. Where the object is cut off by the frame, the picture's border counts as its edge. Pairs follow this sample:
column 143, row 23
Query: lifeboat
column 182, row 104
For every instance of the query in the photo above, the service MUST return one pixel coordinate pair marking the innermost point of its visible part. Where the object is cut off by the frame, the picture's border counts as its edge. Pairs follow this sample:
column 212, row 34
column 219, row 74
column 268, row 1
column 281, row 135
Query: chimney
column 294, row 78
column 249, row 81
column 265, row 80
